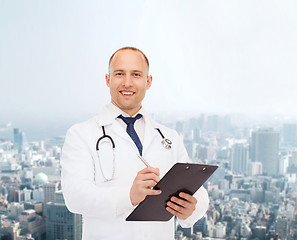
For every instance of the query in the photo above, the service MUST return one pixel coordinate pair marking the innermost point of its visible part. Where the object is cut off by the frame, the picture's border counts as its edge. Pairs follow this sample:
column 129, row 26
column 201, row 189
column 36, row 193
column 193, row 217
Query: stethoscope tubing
column 165, row 142
column 104, row 136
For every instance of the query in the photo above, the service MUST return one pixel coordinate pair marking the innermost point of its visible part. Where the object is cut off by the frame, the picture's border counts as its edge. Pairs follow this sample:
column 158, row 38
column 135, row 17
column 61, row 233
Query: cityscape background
column 253, row 194
column 224, row 76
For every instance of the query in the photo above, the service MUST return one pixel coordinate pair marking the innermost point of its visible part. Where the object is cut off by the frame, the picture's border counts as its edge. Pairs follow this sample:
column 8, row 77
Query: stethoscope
column 165, row 142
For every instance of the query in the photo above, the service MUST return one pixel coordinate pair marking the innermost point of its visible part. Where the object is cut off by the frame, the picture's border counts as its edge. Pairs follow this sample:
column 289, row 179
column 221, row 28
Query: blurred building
column 239, row 158
column 27, row 237
column 241, row 194
column 10, row 229
column 259, row 232
column 201, row 226
column 283, row 165
column 38, row 195
column 213, row 123
column 187, row 232
column 23, row 195
column 191, row 148
column 40, row 179
column 32, row 223
column 218, row 230
column 255, row 168
column 37, row 207
column 16, row 209
column 282, row 227
column 60, row 223
column 265, row 149
column 179, row 127
column 293, row 159
column 196, row 134
column 50, row 191
column 290, row 133
column 18, row 140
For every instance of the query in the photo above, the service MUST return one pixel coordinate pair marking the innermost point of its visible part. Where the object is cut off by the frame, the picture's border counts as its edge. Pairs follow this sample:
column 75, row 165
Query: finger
column 149, row 184
column 181, row 202
column 144, row 185
column 188, row 197
column 150, row 170
column 179, row 211
column 175, row 207
column 148, row 176
column 153, row 192
column 175, row 213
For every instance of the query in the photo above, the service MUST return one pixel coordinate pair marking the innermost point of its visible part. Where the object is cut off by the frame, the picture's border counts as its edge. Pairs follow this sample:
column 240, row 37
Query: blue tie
column 131, row 131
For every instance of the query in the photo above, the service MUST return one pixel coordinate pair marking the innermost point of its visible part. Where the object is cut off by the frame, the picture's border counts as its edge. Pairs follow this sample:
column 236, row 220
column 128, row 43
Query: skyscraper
column 17, row 139
column 201, row 226
column 282, row 227
column 50, row 191
column 265, row 149
column 179, row 127
column 60, row 223
column 239, row 158
column 293, row 159
column 213, row 123
column 290, row 133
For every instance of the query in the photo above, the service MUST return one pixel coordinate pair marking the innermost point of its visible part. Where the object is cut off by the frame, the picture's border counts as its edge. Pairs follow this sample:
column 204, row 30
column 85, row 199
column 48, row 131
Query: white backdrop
column 209, row 56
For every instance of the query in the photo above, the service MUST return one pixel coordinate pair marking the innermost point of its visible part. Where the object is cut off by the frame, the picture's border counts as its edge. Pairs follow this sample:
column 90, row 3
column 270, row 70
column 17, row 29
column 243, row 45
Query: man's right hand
column 143, row 183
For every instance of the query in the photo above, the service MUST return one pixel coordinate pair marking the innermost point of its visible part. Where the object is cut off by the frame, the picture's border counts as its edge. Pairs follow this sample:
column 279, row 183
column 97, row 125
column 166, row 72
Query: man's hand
column 143, row 183
column 187, row 205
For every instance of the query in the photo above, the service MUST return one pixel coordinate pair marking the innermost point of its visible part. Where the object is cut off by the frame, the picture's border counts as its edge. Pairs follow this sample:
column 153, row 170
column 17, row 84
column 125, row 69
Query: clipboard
column 182, row 177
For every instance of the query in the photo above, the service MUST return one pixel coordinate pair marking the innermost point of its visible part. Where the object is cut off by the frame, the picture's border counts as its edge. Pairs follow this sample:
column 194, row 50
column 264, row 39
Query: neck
column 130, row 112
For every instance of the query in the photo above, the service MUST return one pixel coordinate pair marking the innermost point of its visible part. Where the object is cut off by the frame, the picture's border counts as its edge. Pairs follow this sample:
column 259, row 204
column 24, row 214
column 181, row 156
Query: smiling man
column 102, row 176
column 128, row 70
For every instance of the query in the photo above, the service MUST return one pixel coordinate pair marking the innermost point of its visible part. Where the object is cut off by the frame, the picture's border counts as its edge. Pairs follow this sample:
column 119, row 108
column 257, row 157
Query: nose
column 127, row 81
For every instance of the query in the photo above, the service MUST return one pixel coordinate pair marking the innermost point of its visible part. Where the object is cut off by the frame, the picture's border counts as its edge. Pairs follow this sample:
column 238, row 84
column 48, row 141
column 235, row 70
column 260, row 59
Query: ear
column 149, row 82
column 107, row 79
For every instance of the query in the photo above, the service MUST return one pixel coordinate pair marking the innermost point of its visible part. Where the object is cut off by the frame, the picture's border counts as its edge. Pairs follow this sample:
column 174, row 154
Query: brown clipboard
column 182, row 177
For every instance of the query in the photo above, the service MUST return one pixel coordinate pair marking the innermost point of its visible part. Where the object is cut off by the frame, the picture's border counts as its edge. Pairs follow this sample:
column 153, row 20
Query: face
column 128, row 80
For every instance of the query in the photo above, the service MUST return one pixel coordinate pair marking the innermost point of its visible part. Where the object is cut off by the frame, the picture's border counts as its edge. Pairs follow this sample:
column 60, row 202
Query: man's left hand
column 187, row 205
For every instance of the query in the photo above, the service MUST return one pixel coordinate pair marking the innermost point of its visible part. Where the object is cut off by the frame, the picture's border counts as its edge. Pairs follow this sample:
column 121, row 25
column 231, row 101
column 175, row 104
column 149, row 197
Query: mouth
column 127, row 93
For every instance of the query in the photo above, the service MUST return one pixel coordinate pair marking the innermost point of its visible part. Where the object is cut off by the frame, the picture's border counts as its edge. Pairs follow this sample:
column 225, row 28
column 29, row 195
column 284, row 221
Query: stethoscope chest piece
column 166, row 143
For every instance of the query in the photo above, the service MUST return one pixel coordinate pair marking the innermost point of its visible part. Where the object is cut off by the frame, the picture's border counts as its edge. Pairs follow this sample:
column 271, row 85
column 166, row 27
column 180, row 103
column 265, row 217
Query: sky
column 205, row 56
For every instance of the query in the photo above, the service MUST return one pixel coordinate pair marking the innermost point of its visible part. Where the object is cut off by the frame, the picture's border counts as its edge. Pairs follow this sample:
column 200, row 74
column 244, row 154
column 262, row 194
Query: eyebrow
column 133, row 71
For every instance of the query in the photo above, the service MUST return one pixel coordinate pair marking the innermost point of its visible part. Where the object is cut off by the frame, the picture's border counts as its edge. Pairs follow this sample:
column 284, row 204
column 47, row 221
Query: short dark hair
column 129, row 48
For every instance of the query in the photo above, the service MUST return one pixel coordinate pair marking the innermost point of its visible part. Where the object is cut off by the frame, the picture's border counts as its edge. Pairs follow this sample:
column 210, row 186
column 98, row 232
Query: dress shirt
column 139, row 125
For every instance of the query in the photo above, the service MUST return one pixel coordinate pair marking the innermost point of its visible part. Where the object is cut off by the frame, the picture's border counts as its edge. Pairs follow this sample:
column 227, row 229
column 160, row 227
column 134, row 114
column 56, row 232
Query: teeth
column 127, row 93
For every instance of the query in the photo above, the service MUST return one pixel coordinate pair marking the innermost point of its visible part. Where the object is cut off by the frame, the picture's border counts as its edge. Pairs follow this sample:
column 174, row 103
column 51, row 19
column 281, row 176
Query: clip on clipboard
column 182, row 177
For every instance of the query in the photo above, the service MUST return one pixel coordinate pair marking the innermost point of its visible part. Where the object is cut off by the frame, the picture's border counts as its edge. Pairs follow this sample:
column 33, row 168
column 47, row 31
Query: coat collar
column 108, row 116
column 110, row 112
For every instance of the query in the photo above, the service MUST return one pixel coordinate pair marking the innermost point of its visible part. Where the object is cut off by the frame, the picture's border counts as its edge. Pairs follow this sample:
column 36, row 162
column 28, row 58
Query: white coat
column 105, row 205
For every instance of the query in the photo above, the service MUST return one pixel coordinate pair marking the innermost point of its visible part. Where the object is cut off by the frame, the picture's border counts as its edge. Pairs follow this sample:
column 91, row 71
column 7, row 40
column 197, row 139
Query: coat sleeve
column 201, row 195
column 82, row 195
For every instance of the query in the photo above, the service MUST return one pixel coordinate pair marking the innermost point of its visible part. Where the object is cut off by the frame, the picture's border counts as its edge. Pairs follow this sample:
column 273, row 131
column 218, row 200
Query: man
column 105, row 185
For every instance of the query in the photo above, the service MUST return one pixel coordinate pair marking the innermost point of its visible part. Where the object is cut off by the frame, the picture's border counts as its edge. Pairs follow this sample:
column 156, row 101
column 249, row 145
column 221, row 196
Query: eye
column 136, row 74
column 119, row 74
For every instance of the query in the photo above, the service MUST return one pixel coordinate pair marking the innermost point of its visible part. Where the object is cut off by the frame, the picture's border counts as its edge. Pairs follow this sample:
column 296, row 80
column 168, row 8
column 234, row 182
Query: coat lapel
column 150, row 133
column 104, row 118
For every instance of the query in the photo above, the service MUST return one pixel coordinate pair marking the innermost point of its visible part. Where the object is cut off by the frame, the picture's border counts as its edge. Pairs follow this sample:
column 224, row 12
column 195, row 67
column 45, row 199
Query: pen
column 142, row 159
